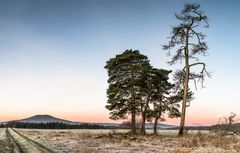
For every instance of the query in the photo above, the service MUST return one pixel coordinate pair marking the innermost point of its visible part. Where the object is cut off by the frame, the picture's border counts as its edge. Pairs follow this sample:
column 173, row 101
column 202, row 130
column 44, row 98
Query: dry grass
column 114, row 142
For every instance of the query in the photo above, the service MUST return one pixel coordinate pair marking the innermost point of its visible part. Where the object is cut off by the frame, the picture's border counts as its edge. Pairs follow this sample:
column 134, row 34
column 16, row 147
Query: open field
column 112, row 141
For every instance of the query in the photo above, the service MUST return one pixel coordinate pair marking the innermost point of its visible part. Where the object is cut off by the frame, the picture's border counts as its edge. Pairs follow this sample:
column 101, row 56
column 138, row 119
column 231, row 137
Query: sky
column 53, row 53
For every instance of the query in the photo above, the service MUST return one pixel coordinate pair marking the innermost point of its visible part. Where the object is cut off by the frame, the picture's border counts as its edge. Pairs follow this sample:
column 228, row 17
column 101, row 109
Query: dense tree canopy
column 136, row 88
column 125, row 71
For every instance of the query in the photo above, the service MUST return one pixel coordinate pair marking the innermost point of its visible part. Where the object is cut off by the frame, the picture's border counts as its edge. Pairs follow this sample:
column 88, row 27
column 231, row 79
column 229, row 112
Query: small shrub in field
column 228, row 126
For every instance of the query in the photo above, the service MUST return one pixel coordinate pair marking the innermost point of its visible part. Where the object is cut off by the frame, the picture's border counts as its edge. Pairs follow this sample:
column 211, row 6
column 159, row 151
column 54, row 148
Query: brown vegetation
column 113, row 141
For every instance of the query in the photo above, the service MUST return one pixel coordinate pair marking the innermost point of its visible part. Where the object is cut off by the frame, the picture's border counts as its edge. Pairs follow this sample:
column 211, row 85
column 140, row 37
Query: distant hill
column 44, row 119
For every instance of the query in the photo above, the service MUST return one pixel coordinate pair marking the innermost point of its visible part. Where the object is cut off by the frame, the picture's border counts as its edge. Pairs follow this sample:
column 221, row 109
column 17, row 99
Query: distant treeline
column 212, row 127
column 193, row 128
column 2, row 125
column 52, row 125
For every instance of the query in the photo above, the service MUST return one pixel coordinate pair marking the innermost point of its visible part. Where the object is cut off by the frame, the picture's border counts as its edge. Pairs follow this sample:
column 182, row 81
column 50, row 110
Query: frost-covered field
column 101, row 141
column 102, row 131
column 114, row 141
column 119, row 141
column 106, row 131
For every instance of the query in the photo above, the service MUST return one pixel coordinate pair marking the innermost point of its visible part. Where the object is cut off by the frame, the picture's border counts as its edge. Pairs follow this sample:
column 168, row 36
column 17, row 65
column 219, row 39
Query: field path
column 16, row 148
column 23, row 144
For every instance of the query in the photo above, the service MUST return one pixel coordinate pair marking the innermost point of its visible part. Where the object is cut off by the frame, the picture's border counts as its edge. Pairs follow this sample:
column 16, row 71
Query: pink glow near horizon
column 193, row 120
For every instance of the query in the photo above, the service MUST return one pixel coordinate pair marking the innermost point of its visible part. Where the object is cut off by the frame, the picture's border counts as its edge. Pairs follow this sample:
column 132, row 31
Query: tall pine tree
column 188, row 42
column 124, row 72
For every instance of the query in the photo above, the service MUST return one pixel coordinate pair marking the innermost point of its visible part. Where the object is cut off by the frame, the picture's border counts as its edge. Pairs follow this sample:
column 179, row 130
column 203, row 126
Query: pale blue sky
column 52, row 54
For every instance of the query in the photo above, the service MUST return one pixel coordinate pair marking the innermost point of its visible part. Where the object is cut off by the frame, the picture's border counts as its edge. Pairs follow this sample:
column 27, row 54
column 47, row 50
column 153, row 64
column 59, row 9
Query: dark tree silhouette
column 125, row 71
column 188, row 42
column 160, row 98
column 155, row 88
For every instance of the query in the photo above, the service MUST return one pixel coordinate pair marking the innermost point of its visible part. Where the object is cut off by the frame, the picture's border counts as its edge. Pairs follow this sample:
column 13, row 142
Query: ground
column 114, row 141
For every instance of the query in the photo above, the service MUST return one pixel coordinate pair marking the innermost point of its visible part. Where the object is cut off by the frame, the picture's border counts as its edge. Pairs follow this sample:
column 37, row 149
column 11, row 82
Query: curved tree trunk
column 182, row 123
column 185, row 95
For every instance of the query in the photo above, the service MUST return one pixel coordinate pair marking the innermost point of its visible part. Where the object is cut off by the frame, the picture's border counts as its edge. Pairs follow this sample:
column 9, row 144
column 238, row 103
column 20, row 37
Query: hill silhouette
column 44, row 119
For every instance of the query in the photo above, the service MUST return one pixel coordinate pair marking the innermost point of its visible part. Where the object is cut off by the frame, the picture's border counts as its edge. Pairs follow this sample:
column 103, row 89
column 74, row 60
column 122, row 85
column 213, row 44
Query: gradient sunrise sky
column 52, row 54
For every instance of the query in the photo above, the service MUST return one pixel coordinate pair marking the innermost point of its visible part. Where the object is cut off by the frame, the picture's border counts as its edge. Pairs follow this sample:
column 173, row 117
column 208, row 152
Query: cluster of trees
column 136, row 88
column 53, row 125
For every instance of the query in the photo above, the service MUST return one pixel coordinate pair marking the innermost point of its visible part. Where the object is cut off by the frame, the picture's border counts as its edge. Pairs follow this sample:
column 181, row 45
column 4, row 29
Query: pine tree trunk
column 185, row 95
column 133, row 112
column 143, row 131
column 133, row 123
column 158, row 115
column 155, row 126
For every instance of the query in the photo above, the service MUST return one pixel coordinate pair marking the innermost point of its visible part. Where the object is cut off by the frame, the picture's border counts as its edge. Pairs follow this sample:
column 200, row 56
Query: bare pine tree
column 188, row 43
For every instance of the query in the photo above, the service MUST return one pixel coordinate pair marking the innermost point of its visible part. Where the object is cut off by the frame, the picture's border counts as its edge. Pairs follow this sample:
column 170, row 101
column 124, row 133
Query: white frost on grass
column 35, row 135
column 27, row 146
column 3, row 134
column 5, row 145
